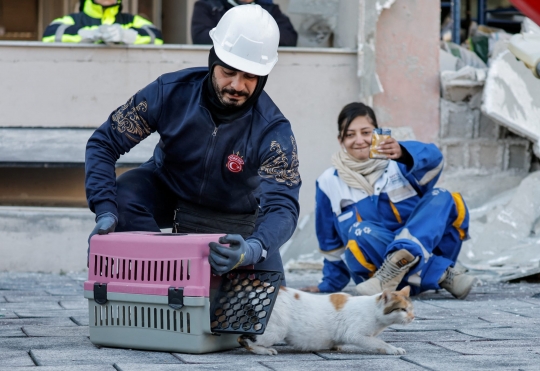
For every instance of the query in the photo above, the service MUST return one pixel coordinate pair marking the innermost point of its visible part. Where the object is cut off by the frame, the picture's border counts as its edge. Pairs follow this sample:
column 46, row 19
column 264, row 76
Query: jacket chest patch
column 398, row 187
column 235, row 163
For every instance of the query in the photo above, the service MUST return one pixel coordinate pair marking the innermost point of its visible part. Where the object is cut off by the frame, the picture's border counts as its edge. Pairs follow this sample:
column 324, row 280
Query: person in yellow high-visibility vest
column 101, row 21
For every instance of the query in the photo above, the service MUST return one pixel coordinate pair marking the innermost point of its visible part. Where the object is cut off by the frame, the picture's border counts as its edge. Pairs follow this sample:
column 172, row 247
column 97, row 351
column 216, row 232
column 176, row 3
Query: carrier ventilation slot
column 142, row 317
column 142, row 270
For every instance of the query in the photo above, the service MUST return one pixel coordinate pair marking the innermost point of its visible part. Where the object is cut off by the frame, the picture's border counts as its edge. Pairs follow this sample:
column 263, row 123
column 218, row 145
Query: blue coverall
column 357, row 231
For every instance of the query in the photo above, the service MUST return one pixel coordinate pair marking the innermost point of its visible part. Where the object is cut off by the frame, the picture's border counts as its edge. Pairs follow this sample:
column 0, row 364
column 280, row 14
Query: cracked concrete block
column 487, row 128
column 476, row 100
column 518, row 156
column 487, row 156
column 462, row 92
column 456, row 156
column 458, row 120
column 462, row 85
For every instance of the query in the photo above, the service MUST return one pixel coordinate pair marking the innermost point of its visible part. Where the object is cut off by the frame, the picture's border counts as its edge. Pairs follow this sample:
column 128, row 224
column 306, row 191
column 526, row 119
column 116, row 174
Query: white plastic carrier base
column 152, row 291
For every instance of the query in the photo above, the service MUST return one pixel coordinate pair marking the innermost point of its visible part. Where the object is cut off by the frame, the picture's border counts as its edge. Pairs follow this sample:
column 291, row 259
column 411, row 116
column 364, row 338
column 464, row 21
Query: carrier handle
column 176, row 297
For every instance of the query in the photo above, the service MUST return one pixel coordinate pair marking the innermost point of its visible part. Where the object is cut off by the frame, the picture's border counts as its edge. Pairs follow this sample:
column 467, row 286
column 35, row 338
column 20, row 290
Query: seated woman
column 382, row 222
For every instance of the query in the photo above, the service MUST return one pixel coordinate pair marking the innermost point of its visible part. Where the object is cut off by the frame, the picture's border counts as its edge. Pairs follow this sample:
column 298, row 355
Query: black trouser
column 145, row 203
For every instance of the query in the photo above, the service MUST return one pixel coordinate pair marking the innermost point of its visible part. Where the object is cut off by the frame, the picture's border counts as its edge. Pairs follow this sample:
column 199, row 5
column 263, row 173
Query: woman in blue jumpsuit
column 382, row 222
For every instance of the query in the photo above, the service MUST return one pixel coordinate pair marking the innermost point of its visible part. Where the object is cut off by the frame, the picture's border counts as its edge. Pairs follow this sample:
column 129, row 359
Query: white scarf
column 358, row 173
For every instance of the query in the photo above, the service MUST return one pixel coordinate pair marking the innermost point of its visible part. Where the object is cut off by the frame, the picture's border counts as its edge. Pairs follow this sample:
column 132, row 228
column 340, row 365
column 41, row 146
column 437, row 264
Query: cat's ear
column 386, row 296
column 406, row 290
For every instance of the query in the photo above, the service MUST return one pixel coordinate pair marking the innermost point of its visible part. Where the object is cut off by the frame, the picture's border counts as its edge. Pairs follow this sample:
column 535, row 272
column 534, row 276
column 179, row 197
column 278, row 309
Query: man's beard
column 221, row 95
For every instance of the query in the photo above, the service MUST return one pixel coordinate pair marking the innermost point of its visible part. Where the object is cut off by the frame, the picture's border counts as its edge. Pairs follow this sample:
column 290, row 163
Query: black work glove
column 224, row 259
column 105, row 223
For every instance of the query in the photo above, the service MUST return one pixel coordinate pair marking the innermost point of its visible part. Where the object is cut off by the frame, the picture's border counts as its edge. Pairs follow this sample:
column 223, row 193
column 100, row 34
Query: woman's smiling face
column 357, row 138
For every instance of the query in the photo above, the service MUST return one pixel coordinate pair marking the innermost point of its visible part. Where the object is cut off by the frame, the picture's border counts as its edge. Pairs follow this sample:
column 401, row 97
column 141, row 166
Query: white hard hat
column 247, row 38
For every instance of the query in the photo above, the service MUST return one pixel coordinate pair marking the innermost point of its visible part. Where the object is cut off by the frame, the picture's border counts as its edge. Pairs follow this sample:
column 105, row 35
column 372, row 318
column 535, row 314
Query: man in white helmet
column 227, row 159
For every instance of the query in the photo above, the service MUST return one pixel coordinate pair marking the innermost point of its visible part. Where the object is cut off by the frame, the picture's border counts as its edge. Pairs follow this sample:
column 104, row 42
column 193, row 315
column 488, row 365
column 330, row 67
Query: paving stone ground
column 44, row 324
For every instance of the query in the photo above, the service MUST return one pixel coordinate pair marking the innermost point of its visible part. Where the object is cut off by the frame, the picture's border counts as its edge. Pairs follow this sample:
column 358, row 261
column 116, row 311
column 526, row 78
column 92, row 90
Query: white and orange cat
column 312, row 322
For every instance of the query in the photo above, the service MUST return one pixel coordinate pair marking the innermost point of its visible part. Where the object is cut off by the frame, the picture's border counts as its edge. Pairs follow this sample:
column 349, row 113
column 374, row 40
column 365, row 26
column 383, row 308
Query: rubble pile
column 490, row 125
column 470, row 138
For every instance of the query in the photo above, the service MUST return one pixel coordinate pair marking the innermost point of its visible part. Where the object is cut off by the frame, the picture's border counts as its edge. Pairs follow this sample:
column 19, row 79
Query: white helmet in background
column 247, row 38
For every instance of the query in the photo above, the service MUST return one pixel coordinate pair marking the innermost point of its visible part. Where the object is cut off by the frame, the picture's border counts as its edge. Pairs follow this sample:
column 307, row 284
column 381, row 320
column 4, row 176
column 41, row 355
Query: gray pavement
column 44, row 323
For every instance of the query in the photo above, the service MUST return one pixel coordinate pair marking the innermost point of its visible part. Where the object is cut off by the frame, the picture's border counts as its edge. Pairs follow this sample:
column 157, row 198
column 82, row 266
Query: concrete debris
column 469, row 58
column 462, row 85
column 482, row 193
column 512, row 98
column 310, row 261
column 449, row 62
column 505, row 234
column 528, row 26
column 499, row 47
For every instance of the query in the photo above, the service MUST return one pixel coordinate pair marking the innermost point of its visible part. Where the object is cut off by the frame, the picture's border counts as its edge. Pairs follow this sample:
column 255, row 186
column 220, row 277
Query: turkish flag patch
column 235, row 163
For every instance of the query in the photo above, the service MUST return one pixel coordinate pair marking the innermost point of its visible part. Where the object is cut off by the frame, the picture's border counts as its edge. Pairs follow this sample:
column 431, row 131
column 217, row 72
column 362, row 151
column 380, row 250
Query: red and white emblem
column 235, row 163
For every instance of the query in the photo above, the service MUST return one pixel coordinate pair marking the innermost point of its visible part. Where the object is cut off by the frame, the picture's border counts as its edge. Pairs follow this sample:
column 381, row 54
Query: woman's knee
column 359, row 229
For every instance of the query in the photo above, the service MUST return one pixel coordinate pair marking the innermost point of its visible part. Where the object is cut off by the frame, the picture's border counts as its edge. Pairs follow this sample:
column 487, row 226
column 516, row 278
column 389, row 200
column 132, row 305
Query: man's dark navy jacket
column 215, row 166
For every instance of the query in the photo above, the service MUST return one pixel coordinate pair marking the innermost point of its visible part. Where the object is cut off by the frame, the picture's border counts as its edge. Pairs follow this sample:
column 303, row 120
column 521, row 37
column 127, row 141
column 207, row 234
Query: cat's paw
column 395, row 351
column 263, row 351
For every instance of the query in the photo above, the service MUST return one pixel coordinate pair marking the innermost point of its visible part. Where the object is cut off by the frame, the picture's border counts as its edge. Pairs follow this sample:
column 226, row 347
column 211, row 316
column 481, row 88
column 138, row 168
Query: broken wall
column 407, row 57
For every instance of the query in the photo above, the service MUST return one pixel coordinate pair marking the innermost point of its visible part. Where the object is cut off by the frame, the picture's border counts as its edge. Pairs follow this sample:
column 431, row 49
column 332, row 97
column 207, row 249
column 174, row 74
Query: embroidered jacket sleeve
column 125, row 128
column 335, row 273
column 427, row 165
column 279, row 188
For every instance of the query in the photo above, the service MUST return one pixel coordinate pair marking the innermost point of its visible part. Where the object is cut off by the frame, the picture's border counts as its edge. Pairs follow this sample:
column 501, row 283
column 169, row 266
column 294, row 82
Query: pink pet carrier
column 155, row 291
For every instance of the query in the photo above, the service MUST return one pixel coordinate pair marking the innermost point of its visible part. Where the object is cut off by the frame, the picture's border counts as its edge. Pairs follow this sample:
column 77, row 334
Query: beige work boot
column 390, row 274
column 457, row 283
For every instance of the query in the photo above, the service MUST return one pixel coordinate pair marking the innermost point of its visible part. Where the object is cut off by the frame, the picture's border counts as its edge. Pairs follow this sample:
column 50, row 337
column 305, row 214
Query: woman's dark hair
column 352, row 111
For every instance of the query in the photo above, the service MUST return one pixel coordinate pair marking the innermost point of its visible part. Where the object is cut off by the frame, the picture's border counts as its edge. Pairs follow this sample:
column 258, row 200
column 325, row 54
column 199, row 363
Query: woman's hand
column 391, row 148
column 310, row 289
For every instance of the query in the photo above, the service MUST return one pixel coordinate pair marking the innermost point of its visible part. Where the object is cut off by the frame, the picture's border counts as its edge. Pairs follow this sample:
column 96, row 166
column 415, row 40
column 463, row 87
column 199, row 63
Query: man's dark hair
column 352, row 111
